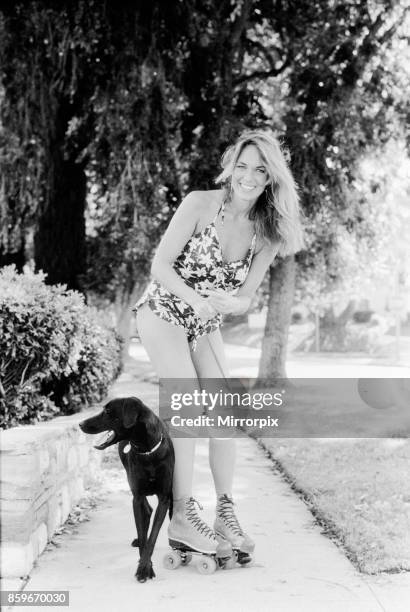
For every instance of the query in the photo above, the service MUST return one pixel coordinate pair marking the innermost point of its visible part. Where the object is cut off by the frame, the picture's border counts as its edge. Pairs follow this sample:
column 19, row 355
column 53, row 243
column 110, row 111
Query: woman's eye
column 261, row 170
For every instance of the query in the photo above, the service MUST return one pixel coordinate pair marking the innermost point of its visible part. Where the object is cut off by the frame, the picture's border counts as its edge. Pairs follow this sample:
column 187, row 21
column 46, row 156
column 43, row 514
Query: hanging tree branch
column 266, row 52
column 264, row 74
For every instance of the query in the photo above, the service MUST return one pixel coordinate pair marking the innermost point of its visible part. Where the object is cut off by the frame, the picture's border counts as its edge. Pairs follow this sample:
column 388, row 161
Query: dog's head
column 117, row 420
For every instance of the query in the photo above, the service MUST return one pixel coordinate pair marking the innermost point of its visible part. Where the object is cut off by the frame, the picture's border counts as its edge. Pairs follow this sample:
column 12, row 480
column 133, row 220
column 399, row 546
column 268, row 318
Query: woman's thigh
column 209, row 357
column 168, row 349
column 166, row 344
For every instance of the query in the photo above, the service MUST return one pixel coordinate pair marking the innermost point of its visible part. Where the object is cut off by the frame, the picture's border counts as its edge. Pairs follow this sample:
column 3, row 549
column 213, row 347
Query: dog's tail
column 171, row 506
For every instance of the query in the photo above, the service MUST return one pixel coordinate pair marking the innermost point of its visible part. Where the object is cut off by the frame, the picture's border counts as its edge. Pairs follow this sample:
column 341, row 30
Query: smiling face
column 250, row 175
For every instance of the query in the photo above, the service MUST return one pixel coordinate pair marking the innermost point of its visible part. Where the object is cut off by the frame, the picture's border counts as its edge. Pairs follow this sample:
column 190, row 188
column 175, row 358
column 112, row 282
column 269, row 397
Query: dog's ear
column 130, row 412
column 152, row 425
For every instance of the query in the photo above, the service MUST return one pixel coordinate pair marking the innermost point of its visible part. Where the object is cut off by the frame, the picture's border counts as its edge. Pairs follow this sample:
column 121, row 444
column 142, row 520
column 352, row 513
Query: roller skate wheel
column 206, row 566
column 186, row 558
column 172, row 560
column 244, row 559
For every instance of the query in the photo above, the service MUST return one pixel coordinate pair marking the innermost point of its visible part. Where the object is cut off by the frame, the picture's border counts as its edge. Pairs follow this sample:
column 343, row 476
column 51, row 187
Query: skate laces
column 196, row 520
column 226, row 513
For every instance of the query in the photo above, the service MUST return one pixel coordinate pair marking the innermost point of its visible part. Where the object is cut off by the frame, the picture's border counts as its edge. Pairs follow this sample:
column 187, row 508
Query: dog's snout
column 93, row 425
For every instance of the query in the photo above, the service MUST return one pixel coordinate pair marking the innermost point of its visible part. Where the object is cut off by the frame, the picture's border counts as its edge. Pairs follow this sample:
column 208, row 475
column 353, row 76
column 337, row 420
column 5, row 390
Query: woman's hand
column 225, row 303
column 203, row 308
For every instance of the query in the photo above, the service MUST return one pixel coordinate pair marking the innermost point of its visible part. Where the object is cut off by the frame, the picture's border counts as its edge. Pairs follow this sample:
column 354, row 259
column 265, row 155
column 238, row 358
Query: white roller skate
column 189, row 535
column 227, row 526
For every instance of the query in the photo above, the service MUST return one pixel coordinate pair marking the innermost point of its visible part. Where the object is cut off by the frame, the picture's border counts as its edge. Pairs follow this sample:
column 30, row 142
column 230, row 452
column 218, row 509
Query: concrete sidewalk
column 295, row 566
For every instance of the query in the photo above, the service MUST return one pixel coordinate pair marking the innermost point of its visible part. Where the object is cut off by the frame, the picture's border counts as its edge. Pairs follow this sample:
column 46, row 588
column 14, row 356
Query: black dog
column 147, row 454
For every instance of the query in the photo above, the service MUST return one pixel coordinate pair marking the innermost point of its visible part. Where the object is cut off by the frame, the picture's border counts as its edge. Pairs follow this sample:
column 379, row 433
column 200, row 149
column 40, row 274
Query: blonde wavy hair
column 276, row 213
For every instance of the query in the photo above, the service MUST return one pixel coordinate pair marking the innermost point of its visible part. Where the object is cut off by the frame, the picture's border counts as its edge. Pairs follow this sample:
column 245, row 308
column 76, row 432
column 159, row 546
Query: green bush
column 55, row 356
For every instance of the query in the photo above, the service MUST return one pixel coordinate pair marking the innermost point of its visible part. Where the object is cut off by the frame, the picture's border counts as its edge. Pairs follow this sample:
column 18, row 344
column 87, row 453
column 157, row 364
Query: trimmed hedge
column 55, row 355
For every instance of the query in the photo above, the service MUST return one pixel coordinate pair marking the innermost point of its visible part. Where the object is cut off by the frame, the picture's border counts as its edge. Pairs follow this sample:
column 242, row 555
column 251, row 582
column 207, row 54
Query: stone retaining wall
column 44, row 470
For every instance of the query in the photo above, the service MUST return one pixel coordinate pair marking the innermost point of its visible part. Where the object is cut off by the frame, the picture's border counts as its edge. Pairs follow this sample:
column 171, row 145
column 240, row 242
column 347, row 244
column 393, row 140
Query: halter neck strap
column 253, row 244
column 221, row 209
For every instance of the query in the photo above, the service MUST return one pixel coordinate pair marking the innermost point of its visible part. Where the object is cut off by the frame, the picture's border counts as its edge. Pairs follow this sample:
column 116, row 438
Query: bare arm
column 239, row 304
column 179, row 231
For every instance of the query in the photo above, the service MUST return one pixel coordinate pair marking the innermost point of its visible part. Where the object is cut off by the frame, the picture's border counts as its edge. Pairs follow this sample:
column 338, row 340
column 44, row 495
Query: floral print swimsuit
column 201, row 266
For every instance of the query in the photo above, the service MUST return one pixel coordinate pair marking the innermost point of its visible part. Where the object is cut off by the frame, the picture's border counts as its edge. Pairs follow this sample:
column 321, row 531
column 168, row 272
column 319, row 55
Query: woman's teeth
column 246, row 187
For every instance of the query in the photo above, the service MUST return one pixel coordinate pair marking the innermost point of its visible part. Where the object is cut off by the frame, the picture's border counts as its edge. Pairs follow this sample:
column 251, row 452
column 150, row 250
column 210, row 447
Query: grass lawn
column 359, row 491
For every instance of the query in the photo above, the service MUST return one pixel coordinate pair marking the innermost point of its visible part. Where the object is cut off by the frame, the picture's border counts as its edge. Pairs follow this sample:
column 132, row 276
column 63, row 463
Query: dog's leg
column 141, row 521
column 146, row 517
column 145, row 570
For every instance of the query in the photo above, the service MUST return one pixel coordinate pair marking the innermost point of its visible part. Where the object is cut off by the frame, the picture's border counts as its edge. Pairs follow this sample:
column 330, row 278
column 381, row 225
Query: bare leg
column 172, row 359
column 222, row 459
column 210, row 362
column 168, row 350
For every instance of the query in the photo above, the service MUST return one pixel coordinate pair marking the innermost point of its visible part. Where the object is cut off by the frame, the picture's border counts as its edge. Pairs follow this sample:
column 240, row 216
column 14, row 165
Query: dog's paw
column 144, row 572
column 135, row 543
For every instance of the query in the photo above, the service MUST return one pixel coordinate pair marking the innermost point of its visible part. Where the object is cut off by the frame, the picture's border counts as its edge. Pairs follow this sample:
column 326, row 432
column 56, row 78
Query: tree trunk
column 60, row 237
column 274, row 343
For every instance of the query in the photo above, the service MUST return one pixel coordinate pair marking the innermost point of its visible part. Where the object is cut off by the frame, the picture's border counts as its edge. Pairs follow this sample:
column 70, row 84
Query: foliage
column 355, row 265
column 346, row 102
column 55, row 356
column 135, row 182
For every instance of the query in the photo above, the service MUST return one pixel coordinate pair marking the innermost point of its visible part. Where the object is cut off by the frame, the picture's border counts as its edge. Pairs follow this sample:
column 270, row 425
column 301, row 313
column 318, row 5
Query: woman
column 210, row 262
